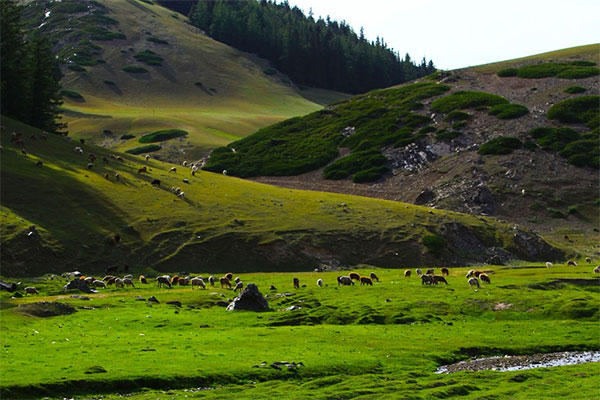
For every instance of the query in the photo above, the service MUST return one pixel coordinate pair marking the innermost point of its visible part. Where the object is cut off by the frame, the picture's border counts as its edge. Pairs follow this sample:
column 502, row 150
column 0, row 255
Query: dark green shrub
column 428, row 129
column 135, row 69
column 530, row 145
column 161, row 136
column 584, row 109
column 127, row 136
column 544, row 70
column 148, row 2
column 508, row 111
column 500, row 145
column 353, row 163
column 97, row 19
column 583, row 63
column 446, row 135
column 582, row 153
column 68, row 7
column 414, row 120
column 464, row 100
column 456, row 115
column 369, row 175
column 434, row 243
column 72, row 94
column 459, row 124
column 551, row 138
column 101, row 33
column 77, row 68
column 107, row 132
column 269, row 71
column 554, row 213
column 507, row 72
column 572, row 210
column 575, row 89
column 156, row 40
column 144, row 149
column 106, row 81
column 149, row 57
column 578, row 72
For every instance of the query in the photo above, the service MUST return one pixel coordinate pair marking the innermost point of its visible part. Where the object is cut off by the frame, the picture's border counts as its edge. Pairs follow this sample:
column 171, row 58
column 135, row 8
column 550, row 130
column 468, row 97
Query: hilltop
column 132, row 68
column 66, row 214
column 423, row 143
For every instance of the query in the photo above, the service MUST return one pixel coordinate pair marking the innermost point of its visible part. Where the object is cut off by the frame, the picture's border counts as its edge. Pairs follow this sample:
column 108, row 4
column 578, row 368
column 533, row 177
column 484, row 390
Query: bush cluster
column 581, row 150
column 463, row 100
column 501, row 145
column 570, row 70
column 575, row 89
column 149, row 57
column 161, row 136
column 584, row 110
column 508, row 111
column 144, row 149
column 134, row 69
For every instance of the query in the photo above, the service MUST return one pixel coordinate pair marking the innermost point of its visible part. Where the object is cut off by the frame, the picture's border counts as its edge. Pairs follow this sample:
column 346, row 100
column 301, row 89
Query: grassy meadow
column 384, row 341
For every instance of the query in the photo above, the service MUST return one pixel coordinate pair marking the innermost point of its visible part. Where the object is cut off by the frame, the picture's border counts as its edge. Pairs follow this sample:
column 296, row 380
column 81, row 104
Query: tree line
column 29, row 73
column 313, row 52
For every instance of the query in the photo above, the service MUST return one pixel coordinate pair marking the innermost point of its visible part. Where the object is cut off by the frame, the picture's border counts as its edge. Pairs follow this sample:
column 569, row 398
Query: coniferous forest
column 315, row 52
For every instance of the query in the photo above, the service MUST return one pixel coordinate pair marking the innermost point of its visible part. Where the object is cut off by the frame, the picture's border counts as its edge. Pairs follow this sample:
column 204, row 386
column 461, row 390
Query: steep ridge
column 131, row 68
column 61, row 211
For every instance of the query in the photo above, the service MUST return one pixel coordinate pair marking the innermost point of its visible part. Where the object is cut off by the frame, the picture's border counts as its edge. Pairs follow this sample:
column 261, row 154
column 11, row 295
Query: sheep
column 407, row 273
column 186, row 181
column 193, row 172
column 474, row 282
column 211, row 280
column 128, row 276
column 548, row 264
column 89, row 280
column 229, row 276
column 225, row 172
column 99, row 284
column 142, row 170
column 588, row 260
column 118, row 177
column 175, row 280
column 237, row 279
column 439, row 278
column 597, row 269
column 119, row 283
column 119, row 158
column 90, row 166
column 147, row 157
column 484, row 278
column 419, row 272
column 163, row 280
column 184, row 163
column 78, row 150
column 143, row 279
column 198, row 282
column 23, row 152
column 225, row 282
column 111, row 280
column 430, row 272
column 477, row 273
column 155, row 182
column 320, row 282
column 296, row 283
column 354, row 276
column 107, row 277
column 92, row 157
column 571, row 263
column 39, row 164
column 177, row 190
column 181, row 195
column 173, row 169
column 184, row 281
column 374, row 277
column 445, row 271
column 31, row 290
column 82, row 141
column 426, row 279
column 470, row 274
column 345, row 281
column 104, row 159
column 239, row 286
column 366, row 281
column 106, row 176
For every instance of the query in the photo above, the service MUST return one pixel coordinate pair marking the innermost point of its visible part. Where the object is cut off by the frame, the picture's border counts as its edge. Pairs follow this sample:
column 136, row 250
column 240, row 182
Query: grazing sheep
column 31, row 290
column 445, row 271
column 163, row 280
column 474, row 282
column 229, row 276
column 78, row 150
column 225, row 172
column 588, row 260
column 184, row 281
column 211, row 280
column 345, row 281
column 237, row 279
column 111, row 280
column 419, row 272
column 470, row 274
column 407, row 273
column 106, row 176
column 119, row 283
column 198, row 282
column 23, row 152
column 82, row 141
column 105, row 160
column 366, row 281
column 118, row 177
column 92, row 157
column 597, row 269
column 155, row 182
column 147, row 157
column 107, row 277
column 374, row 277
column 477, row 273
column 89, row 280
column 430, row 272
column 99, row 284
column 175, row 280
column 173, row 169
column 239, row 286
column 426, row 279
column 119, row 158
column 571, row 263
column 548, row 264
column 439, row 278
column 225, row 282
column 184, row 163
column 39, row 164
column 128, row 282
column 181, row 195
column 90, row 166
column 484, row 278
column 143, row 279
column 186, row 181
column 354, row 276
column 296, row 283
column 142, row 170
column 320, row 282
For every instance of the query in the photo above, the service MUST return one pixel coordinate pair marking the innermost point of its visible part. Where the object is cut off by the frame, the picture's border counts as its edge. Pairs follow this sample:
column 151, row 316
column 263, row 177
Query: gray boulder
column 78, row 284
column 250, row 299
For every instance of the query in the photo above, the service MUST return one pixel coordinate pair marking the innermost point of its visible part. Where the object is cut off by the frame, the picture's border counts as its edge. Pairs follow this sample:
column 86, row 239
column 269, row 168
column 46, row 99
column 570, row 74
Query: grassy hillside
column 382, row 342
column 472, row 140
column 137, row 68
column 65, row 214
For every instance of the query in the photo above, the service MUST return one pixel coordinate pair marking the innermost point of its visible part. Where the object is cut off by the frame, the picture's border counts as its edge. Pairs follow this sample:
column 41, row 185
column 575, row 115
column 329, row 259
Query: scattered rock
column 175, row 303
column 153, row 299
column 76, row 296
column 250, row 299
column 46, row 309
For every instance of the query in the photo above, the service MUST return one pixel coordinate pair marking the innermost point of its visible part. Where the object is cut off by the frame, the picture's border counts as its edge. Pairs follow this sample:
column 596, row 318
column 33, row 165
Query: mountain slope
column 66, row 214
column 193, row 83
column 421, row 143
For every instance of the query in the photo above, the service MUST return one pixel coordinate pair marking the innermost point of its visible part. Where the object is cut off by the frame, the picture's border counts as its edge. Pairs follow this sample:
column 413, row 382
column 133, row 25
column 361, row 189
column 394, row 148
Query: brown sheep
column 407, row 273
column 142, row 170
column 477, row 273
column 239, row 286
column 225, row 282
column 374, row 277
column 426, row 280
column 354, row 276
column 366, row 281
column 484, row 278
column 143, row 279
column 229, row 276
column 344, row 281
column 430, row 272
column 163, row 280
column 470, row 274
column 445, row 271
column 571, row 263
column 439, row 278
column 111, row 280
column 296, row 283
column 107, row 277
column 175, row 280
column 184, row 281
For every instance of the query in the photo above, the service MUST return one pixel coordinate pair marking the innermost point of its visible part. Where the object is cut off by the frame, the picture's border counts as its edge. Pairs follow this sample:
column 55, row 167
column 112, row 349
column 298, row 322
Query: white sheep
column 239, row 286
column 419, row 272
column 128, row 282
column 78, row 150
column 164, row 280
column 320, row 282
column 31, row 290
column 185, row 164
column 474, row 282
column 548, row 264
column 98, row 283
column 597, row 270
column 197, row 281
column 211, row 280
column 147, row 157
column 119, row 283
column 181, row 195
column 128, row 276
column 173, row 169
column 225, row 172
column 237, row 279
column 470, row 274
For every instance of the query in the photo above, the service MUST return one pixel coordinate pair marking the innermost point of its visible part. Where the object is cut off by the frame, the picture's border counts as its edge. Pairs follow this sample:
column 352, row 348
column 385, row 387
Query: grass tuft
column 134, row 69
column 575, row 89
column 508, row 111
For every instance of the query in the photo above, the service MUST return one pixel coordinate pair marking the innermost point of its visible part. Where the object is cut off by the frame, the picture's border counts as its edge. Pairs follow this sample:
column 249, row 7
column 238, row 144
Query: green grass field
column 384, row 341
